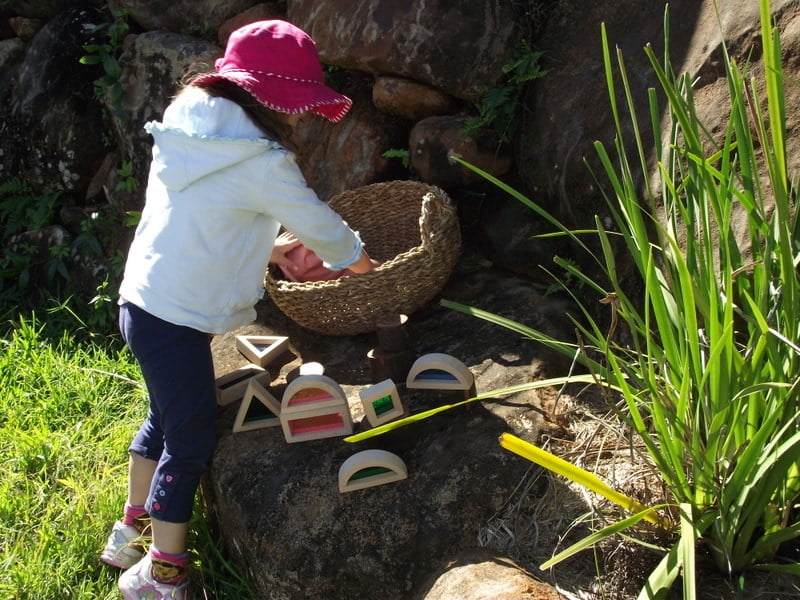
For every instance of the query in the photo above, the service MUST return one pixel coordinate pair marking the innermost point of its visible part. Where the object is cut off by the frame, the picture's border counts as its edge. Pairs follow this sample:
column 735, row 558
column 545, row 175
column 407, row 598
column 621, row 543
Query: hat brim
column 287, row 95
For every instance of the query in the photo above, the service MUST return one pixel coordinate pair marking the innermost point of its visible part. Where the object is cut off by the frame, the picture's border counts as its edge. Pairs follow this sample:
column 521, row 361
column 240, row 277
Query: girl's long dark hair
column 268, row 120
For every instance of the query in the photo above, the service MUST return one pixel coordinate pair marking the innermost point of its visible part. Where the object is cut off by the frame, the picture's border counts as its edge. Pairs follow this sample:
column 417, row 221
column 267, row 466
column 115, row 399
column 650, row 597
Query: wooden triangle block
column 261, row 349
column 265, row 412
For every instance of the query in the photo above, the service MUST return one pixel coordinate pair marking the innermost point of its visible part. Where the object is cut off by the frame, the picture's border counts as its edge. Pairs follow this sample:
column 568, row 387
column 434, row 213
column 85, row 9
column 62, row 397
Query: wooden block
column 261, row 349
column 319, row 391
column 231, row 386
column 264, row 412
column 392, row 334
column 314, row 407
column 369, row 468
column 438, row 371
column 389, row 365
column 381, row 403
column 309, row 368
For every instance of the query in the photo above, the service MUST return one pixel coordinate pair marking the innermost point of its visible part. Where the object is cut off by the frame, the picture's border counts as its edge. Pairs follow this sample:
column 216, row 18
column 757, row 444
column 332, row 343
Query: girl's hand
column 283, row 244
column 364, row 263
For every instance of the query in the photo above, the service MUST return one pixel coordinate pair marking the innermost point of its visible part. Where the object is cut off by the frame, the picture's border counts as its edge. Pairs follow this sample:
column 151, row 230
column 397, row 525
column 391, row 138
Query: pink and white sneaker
column 138, row 583
column 124, row 546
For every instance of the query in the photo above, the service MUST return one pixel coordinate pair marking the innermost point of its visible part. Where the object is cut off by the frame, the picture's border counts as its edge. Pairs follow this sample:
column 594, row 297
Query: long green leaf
column 663, row 576
column 686, row 547
column 391, row 426
column 595, row 538
column 578, row 475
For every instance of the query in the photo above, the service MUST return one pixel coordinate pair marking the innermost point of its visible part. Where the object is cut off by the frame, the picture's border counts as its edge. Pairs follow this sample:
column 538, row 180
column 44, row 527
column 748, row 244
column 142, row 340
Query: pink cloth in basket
column 309, row 267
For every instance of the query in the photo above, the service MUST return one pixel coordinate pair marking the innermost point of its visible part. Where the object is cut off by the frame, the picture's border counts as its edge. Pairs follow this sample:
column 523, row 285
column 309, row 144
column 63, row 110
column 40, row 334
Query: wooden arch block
column 370, row 468
column 264, row 412
column 231, row 386
column 261, row 349
column 438, row 371
column 381, row 403
column 314, row 407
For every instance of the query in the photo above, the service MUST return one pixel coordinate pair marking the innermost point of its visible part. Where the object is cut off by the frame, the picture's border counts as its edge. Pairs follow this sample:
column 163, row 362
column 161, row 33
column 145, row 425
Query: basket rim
column 424, row 245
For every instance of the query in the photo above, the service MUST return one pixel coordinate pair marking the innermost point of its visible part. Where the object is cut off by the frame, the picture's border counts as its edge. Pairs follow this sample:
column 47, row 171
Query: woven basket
column 412, row 228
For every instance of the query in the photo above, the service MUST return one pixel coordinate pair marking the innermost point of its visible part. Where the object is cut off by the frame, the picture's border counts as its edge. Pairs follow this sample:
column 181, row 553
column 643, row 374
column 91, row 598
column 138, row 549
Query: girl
column 221, row 184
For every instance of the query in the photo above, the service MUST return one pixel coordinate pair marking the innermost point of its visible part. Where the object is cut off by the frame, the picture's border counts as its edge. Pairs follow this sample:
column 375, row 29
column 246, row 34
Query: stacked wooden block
column 314, row 406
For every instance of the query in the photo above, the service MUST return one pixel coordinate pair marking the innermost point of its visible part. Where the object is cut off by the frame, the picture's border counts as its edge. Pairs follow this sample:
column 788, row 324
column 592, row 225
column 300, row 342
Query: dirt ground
column 548, row 514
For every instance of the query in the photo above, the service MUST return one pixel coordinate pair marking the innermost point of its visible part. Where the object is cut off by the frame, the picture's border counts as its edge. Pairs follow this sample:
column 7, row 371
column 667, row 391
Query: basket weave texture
column 412, row 228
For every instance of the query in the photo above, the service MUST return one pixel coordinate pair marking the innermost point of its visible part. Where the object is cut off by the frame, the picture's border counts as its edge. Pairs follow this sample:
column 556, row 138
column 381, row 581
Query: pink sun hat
column 278, row 64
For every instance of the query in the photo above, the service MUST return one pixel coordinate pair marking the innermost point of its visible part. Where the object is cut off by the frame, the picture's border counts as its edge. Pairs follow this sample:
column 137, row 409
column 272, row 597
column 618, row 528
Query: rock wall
column 416, row 72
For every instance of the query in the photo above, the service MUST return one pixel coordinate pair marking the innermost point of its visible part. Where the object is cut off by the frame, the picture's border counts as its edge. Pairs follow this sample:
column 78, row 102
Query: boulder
column 154, row 65
column 563, row 121
column 410, row 99
column 277, row 504
column 200, row 18
column 343, row 156
column 24, row 27
column 260, row 12
column 39, row 9
column 10, row 50
column 419, row 40
column 433, row 140
column 51, row 122
column 479, row 574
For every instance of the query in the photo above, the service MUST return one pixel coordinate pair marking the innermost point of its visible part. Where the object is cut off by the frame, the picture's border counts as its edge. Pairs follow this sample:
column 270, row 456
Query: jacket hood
column 181, row 159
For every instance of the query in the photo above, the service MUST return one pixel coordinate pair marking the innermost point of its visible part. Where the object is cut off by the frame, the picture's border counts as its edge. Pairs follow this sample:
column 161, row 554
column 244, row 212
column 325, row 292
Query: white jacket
column 217, row 195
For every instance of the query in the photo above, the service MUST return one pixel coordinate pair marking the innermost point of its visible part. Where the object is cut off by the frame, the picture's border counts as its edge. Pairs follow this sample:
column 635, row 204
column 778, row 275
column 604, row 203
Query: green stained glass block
column 383, row 405
column 369, row 472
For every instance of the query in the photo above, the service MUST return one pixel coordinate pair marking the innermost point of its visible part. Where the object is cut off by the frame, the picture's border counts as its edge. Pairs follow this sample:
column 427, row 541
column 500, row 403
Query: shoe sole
column 113, row 560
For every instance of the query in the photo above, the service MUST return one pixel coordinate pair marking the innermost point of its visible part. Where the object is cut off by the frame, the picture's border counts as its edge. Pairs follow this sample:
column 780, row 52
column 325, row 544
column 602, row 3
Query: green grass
column 68, row 410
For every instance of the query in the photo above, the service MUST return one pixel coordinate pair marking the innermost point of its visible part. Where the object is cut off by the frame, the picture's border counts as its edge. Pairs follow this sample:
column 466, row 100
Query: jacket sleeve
column 289, row 200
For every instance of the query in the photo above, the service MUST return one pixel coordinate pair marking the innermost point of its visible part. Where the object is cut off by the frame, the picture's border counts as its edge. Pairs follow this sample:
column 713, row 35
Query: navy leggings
column 179, row 431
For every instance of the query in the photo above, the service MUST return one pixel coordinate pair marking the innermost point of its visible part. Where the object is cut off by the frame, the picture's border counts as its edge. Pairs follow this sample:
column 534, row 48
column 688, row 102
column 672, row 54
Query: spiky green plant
column 709, row 371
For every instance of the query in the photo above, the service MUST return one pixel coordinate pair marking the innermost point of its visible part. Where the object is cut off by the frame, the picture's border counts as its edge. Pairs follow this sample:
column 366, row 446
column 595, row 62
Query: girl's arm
column 364, row 263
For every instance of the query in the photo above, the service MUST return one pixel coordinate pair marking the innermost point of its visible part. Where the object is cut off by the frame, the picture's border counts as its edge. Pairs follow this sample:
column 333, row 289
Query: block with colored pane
column 381, row 403
column 261, row 349
column 231, row 386
column 314, row 407
column 369, row 468
column 438, row 371
column 259, row 409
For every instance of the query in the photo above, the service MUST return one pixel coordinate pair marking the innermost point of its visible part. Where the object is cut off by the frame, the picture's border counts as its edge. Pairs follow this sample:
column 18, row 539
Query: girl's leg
column 140, row 474
column 181, row 427
column 170, row 537
column 145, row 452
column 124, row 546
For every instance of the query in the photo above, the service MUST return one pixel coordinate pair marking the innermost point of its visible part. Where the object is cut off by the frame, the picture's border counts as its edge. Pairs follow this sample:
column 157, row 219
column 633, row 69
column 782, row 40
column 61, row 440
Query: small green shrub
column 106, row 54
column 499, row 106
column 22, row 210
column 128, row 181
column 35, row 275
column 20, row 258
column 403, row 155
